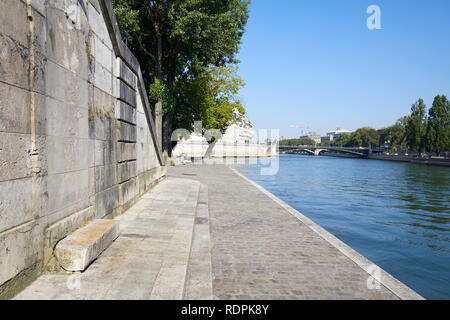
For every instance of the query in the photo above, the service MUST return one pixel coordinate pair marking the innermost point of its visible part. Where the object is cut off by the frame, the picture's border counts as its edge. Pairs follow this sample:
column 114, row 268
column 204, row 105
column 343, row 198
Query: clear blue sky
column 315, row 63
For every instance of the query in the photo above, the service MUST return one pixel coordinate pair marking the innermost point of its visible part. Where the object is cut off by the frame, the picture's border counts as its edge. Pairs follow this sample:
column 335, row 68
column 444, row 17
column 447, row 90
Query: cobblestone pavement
column 260, row 251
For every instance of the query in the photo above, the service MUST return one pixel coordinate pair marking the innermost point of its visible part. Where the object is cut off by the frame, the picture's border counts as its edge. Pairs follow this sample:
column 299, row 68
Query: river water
column 396, row 214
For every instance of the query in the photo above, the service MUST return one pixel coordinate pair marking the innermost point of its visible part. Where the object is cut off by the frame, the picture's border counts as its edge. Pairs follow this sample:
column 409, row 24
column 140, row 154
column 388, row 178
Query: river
column 396, row 214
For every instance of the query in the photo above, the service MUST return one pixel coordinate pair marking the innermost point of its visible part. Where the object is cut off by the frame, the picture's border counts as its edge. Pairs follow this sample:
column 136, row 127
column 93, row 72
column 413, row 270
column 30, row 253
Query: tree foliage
column 395, row 135
column 342, row 141
column 438, row 129
column 298, row 142
column 364, row 137
column 212, row 96
column 175, row 39
column 416, row 127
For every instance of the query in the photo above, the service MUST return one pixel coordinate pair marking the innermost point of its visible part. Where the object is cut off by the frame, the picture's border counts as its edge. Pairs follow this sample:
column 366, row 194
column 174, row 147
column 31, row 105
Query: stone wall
column 77, row 139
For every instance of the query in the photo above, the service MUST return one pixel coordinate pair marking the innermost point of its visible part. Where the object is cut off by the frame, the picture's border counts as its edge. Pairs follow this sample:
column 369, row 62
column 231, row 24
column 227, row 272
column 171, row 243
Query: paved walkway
column 206, row 232
column 261, row 251
column 149, row 260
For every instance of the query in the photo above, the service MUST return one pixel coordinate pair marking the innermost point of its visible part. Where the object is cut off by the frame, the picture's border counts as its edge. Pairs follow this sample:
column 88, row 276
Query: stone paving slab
column 199, row 274
column 260, row 250
column 150, row 254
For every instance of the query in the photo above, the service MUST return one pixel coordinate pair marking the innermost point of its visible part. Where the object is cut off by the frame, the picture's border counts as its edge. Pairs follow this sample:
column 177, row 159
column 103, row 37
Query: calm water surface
column 396, row 214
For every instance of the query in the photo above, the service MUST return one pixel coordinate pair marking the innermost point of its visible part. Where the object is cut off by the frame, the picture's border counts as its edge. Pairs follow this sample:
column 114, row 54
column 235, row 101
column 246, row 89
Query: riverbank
column 445, row 162
column 248, row 244
column 427, row 161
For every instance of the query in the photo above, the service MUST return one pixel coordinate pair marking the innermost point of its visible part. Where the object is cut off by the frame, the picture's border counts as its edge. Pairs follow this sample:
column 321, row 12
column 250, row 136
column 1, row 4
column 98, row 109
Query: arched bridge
column 316, row 151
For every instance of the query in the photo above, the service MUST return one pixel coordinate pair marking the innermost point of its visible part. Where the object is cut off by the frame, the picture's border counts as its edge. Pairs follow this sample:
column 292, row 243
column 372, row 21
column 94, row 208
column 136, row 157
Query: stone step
column 171, row 279
column 199, row 274
column 78, row 250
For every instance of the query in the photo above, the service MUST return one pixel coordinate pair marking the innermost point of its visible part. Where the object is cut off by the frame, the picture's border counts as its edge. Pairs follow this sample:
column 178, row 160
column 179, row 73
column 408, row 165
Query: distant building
column 313, row 136
column 334, row 134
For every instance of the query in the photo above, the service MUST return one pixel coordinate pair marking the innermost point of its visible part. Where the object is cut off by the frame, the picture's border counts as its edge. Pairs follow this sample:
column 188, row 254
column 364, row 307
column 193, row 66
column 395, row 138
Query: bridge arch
column 318, row 151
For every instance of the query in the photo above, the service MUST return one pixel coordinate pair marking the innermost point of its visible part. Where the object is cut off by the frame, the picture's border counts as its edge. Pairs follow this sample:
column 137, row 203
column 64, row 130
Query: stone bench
column 78, row 250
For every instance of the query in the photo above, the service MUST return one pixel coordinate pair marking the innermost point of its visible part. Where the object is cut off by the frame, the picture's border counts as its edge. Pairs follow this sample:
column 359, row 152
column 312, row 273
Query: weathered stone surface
column 67, row 188
column 12, row 11
column 91, row 160
column 57, row 4
column 91, row 181
column 103, row 79
column 124, row 73
column 128, row 191
column 78, row 250
column 40, row 25
column 127, row 94
column 126, row 151
column 149, row 178
column 14, row 62
column 15, row 203
column 103, row 54
column 14, row 109
column 20, row 281
column 39, row 5
column 55, row 75
column 103, row 101
column 65, row 120
column 66, row 45
column 21, row 248
column 97, row 24
column 76, row 90
column 125, row 132
column 101, row 124
column 66, row 154
column 15, row 160
column 68, row 210
column 125, row 171
column 76, row 153
column 62, row 228
column 105, row 152
column 125, row 112
column 105, row 177
column 106, row 202
column 96, row 5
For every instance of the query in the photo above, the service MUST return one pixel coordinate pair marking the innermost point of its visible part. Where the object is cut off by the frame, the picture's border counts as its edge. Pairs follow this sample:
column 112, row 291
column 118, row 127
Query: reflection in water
column 396, row 214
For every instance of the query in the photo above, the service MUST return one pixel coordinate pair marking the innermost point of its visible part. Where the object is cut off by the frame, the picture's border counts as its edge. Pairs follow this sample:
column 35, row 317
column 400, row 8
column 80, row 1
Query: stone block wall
column 77, row 140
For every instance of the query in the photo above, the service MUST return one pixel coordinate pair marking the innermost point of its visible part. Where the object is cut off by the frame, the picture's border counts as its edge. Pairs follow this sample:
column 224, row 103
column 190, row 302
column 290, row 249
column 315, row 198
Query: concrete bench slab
column 78, row 250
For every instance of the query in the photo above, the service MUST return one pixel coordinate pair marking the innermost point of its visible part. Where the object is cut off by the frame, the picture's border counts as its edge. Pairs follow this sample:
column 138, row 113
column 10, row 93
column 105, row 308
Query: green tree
column 307, row 142
column 298, row 142
column 364, row 137
column 173, row 39
column 290, row 142
column 416, row 127
column 211, row 97
column 438, row 129
column 395, row 135
column 342, row 141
